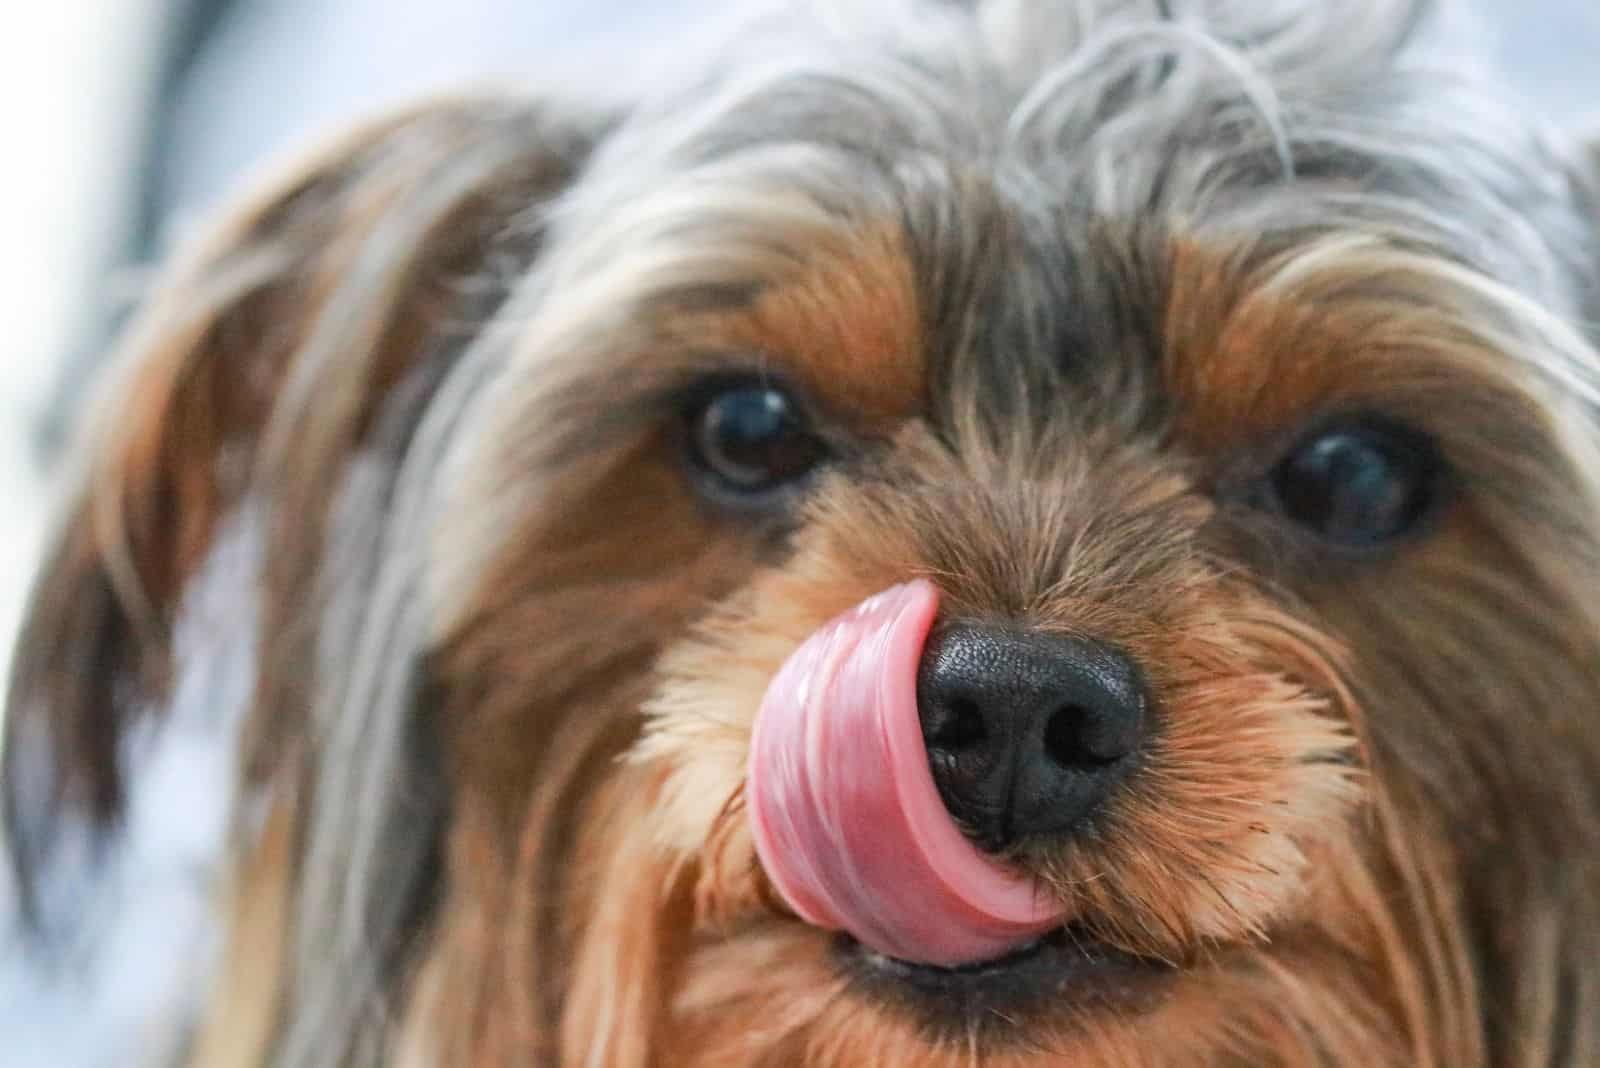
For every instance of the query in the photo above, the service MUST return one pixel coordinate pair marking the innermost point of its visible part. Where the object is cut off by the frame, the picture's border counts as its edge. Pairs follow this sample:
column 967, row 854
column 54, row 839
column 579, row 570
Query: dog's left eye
column 1360, row 485
column 749, row 440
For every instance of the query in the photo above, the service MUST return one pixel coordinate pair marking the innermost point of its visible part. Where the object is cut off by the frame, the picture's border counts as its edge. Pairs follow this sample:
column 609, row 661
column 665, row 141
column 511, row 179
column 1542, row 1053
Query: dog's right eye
column 1362, row 484
column 749, row 441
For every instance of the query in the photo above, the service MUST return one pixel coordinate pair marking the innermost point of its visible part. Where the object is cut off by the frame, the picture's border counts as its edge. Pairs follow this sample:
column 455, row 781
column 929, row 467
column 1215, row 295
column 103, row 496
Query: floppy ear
column 313, row 328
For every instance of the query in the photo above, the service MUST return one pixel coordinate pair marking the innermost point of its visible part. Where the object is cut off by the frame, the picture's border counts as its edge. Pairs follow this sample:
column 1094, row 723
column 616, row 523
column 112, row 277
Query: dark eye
column 1360, row 485
column 749, row 440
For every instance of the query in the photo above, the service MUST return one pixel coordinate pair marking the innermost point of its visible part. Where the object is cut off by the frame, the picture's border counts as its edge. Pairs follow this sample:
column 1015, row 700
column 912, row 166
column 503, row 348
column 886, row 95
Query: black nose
column 1026, row 732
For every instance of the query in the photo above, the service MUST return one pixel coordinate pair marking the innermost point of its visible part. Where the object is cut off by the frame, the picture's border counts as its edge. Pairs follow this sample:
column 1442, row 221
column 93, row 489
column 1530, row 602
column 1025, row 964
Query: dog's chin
column 1067, row 973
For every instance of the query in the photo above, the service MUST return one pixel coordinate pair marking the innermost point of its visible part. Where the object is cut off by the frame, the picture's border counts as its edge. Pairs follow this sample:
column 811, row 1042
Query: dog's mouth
column 1066, row 971
column 853, row 837
column 849, row 827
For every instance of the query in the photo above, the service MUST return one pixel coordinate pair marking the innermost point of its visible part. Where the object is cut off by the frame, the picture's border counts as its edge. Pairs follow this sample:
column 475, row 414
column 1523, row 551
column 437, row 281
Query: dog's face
column 1072, row 537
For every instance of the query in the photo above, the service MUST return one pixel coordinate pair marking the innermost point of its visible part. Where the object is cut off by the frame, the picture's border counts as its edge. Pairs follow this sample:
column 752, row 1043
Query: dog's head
column 1027, row 531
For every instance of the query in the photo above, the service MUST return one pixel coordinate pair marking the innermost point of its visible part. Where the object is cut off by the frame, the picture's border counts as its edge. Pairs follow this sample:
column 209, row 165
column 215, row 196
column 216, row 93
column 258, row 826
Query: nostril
column 956, row 725
column 1075, row 737
column 1063, row 738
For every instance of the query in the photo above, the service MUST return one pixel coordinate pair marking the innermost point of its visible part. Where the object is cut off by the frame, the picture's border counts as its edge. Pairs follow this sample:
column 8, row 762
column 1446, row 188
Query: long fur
column 1069, row 273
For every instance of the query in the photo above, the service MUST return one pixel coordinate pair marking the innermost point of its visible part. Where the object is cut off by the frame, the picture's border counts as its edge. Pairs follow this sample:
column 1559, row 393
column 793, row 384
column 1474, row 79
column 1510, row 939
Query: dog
column 1017, row 532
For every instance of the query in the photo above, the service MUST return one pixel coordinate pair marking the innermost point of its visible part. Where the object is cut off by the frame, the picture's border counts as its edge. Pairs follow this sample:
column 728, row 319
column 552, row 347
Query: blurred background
column 126, row 120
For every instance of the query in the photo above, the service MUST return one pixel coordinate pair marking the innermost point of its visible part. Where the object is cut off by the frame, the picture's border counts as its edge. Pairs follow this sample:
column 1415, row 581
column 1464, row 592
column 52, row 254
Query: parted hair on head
column 1015, row 532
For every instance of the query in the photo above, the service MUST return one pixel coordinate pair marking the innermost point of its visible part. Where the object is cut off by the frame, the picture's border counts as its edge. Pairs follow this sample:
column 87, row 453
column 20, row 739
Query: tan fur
column 239, row 1032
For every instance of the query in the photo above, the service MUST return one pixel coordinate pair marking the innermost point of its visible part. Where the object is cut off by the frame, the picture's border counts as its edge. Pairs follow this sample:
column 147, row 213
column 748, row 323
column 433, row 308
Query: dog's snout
column 1027, row 732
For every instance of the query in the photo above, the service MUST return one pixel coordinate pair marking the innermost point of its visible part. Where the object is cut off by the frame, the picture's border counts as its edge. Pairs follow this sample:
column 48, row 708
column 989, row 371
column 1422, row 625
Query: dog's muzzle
column 848, row 821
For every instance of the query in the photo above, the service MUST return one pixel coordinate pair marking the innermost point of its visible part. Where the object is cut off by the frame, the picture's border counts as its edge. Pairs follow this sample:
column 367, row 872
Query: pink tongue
column 848, row 824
